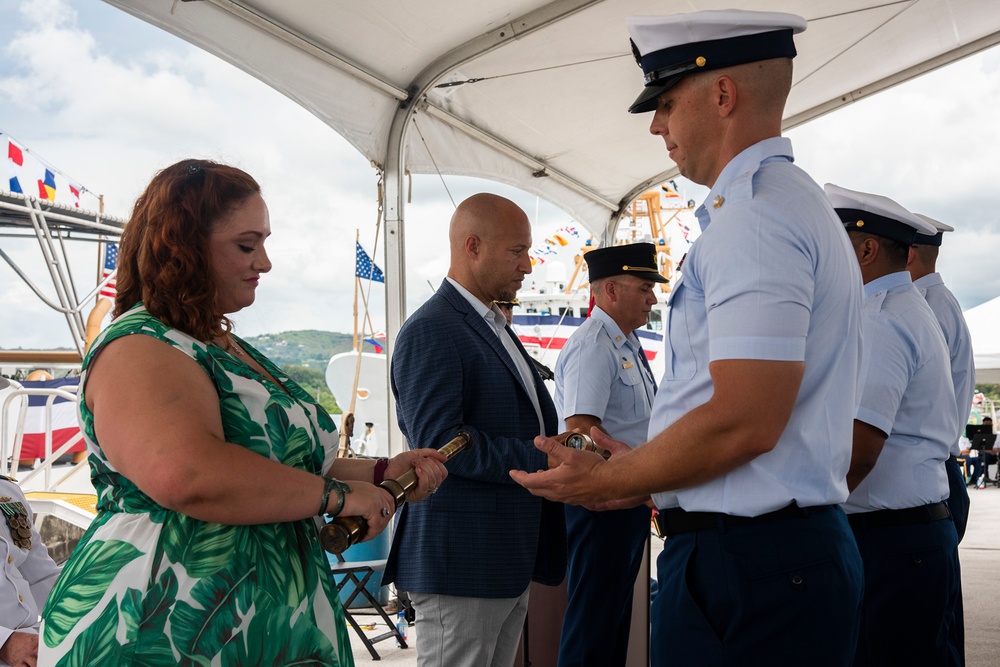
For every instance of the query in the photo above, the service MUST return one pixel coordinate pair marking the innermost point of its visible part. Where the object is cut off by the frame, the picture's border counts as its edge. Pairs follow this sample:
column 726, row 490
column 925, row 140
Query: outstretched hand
column 570, row 477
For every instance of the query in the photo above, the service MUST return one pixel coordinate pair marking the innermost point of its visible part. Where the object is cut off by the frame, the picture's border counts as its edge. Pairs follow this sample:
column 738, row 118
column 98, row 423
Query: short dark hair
column 896, row 251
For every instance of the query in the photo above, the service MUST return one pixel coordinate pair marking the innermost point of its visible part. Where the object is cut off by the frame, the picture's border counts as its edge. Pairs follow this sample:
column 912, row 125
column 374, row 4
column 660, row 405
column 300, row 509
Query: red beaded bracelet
column 379, row 474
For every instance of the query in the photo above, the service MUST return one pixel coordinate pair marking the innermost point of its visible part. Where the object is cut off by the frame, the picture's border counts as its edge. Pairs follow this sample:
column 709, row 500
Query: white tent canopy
column 545, row 110
column 534, row 93
column 984, row 325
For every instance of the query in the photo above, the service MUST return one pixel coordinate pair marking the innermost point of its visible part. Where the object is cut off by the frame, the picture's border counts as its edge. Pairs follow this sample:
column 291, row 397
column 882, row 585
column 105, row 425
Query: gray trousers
column 468, row 632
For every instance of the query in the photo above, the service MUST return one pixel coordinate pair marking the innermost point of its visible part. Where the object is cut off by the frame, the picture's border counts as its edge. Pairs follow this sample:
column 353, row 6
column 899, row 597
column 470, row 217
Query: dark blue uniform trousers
column 958, row 504
column 604, row 552
column 785, row 592
column 911, row 584
column 958, row 498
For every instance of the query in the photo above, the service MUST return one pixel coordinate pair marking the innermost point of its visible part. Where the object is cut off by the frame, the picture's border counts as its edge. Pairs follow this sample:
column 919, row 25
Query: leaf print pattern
column 172, row 590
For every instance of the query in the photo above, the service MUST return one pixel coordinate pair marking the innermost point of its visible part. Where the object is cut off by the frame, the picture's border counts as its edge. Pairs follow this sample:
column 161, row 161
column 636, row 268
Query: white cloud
column 110, row 100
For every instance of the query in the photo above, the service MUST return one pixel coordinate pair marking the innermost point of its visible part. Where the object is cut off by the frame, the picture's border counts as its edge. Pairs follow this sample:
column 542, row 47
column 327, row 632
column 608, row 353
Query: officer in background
column 28, row 575
column 603, row 381
column 902, row 438
column 750, row 431
column 922, row 265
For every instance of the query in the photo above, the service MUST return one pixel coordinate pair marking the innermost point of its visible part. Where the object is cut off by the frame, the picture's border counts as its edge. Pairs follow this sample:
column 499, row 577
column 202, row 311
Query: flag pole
column 357, row 281
column 347, row 419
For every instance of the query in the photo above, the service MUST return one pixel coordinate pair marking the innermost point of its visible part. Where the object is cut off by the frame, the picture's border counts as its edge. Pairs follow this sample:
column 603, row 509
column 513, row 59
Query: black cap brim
column 650, row 95
column 655, row 277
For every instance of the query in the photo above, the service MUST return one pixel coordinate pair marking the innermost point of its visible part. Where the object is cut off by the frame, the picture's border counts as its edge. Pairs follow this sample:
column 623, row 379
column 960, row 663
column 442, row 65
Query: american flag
column 110, row 262
column 364, row 267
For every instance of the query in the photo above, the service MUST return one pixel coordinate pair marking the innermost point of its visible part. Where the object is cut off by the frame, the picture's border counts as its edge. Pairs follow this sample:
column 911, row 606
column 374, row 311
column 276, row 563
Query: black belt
column 675, row 521
column 904, row 517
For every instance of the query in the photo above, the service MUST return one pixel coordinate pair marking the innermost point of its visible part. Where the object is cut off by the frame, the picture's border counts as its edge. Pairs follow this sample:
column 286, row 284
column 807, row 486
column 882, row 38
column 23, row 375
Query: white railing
column 11, row 440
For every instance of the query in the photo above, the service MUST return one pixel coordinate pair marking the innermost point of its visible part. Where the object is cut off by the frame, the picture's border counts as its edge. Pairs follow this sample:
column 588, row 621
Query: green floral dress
column 150, row 586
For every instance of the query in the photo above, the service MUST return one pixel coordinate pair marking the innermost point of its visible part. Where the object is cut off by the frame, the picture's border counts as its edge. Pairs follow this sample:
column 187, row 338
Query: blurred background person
column 28, row 575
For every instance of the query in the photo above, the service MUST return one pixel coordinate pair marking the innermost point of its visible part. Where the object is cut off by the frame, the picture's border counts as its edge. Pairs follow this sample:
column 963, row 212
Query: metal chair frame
column 360, row 574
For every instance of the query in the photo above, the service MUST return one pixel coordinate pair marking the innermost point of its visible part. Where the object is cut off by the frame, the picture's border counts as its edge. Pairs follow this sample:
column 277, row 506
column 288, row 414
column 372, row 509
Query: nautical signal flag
column 15, row 159
column 75, row 191
column 63, row 424
column 110, row 263
column 47, row 187
column 378, row 341
column 364, row 267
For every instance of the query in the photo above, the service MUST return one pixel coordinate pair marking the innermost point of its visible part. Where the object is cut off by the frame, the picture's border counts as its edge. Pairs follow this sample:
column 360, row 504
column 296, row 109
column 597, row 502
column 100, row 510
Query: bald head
column 482, row 215
column 489, row 239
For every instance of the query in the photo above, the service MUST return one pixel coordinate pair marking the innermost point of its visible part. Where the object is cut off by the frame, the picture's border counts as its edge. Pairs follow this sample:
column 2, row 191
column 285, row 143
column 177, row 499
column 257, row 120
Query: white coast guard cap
column 875, row 214
column 670, row 47
column 925, row 239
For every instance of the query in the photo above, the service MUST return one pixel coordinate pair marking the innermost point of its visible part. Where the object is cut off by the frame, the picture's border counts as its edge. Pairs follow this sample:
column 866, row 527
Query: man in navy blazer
column 467, row 555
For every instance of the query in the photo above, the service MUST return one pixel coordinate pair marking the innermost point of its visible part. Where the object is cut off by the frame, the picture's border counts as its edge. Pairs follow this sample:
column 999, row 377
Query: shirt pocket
column 633, row 391
column 679, row 362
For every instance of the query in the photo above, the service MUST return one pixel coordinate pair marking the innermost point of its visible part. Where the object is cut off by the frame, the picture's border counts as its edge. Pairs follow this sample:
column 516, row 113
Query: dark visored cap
column 635, row 259
column 875, row 214
column 932, row 239
column 669, row 47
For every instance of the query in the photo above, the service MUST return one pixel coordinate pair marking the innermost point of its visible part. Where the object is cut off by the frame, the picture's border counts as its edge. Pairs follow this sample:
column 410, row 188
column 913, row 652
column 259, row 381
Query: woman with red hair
column 209, row 463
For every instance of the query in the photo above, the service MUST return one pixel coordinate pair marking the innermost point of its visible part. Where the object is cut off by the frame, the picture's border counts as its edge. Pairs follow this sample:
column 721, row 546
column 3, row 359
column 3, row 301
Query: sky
column 109, row 100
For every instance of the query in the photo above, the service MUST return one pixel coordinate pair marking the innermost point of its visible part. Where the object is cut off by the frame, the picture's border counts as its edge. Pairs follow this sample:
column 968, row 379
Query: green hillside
column 304, row 356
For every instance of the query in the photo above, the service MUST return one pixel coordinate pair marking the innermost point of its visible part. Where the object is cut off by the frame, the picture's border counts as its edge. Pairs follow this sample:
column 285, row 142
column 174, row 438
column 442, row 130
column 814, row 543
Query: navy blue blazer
column 480, row 535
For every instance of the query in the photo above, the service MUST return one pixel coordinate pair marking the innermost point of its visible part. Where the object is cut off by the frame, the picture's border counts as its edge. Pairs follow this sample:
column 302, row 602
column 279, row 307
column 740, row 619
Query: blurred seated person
column 28, row 575
column 980, row 463
column 210, row 464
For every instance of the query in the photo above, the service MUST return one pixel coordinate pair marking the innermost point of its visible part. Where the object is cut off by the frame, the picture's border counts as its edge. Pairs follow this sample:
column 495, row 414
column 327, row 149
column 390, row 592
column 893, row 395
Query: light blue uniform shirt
column 905, row 379
column 599, row 373
column 956, row 334
column 772, row 277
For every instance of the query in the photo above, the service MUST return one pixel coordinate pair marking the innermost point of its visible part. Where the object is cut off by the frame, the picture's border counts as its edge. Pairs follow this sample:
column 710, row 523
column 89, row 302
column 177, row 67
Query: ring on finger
column 384, row 511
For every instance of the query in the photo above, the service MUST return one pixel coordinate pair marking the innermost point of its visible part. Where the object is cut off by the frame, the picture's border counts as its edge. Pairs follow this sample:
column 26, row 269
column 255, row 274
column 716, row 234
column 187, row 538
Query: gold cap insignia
column 700, row 61
column 859, row 223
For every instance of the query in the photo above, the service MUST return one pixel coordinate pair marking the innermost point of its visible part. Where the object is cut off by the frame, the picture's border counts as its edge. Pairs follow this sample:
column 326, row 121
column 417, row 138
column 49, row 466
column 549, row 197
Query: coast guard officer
column 902, row 438
column 603, row 380
column 763, row 345
column 922, row 265
column 28, row 575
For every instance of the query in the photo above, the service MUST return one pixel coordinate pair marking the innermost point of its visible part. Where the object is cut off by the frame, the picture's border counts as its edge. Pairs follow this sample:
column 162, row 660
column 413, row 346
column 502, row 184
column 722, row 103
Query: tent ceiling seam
column 540, row 168
column 303, row 44
column 902, row 76
column 860, row 38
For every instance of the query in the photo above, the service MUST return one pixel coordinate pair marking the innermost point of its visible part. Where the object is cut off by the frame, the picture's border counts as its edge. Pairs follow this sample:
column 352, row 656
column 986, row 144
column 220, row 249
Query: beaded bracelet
column 379, row 473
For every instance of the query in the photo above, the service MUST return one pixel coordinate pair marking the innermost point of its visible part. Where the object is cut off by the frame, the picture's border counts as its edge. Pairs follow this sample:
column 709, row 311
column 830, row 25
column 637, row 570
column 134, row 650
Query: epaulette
column 9, row 479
